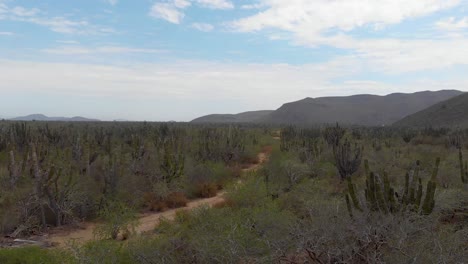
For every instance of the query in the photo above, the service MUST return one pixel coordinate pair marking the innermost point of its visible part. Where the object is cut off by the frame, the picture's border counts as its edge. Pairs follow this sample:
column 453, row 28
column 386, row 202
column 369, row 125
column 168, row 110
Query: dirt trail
column 147, row 222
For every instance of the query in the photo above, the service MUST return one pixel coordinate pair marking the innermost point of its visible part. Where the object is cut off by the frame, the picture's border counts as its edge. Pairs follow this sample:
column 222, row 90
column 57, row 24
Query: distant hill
column 449, row 113
column 366, row 110
column 247, row 117
column 41, row 117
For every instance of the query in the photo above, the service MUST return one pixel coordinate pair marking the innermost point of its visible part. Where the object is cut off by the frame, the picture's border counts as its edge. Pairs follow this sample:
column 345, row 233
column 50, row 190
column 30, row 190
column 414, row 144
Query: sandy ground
column 146, row 222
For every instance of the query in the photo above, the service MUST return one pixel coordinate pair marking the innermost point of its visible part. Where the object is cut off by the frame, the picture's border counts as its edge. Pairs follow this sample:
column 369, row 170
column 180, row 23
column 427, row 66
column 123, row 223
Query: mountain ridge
column 244, row 117
column 450, row 113
column 360, row 109
column 42, row 117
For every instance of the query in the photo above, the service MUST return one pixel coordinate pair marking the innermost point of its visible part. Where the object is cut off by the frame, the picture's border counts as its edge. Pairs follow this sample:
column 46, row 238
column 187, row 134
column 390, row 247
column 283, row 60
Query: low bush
column 176, row 200
column 34, row 255
column 117, row 218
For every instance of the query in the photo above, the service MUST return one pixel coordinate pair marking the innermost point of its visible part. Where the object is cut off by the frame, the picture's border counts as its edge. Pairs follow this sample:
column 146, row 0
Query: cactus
column 352, row 193
column 429, row 202
column 419, row 194
column 348, row 205
column 173, row 163
column 14, row 170
column 406, row 193
column 372, row 199
column 366, row 167
column 347, row 159
column 435, row 172
column 333, row 135
column 380, row 195
column 463, row 168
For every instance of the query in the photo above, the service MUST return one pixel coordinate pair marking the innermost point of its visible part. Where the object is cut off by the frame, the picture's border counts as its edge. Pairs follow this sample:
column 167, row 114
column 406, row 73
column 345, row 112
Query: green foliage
column 117, row 219
column 34, row 255
column 107, row 252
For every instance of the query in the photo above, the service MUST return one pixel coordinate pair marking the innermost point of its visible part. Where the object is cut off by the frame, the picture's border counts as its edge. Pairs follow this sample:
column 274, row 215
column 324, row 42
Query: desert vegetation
column 329, row 194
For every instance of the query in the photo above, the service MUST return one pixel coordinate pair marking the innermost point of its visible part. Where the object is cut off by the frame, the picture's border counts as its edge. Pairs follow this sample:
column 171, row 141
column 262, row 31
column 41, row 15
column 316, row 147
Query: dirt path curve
column 147, row 222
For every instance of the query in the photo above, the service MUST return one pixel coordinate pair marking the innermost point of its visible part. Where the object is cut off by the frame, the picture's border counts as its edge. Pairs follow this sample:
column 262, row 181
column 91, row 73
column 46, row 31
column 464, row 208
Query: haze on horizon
column 180, row 59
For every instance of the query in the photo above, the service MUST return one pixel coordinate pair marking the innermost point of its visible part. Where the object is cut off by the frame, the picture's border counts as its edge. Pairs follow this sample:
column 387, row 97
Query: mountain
column 449, row 113
column 41, row 117
column 366, row 110
column 246, row 117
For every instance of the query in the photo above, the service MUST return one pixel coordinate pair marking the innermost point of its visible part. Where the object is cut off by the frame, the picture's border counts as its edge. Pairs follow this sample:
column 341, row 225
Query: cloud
column 77, row 50
column 452, row 24
column 182, row 3
column 216, row 4
column 330, row 23
column 57, row 24
column 173, row 10
column 186, row 83
column 193, row 88
column 317, row 17
column 205, row 27
column 252, row 6
column 112, row 2
column 168, row 12
column 6, row 33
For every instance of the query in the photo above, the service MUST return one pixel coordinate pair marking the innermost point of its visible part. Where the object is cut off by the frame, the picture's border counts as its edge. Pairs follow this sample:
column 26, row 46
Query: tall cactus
column 348, row 205
column 352, row 193
column 428, row 205
column 381, row 197
column 463, row 168
column 347, row 159
column 14, row 170
column 38, row 180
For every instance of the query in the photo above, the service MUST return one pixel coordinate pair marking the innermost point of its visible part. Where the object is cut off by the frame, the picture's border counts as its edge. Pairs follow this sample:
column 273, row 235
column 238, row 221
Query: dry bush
column 176, row 200
column 153, row 203
column 206, row 190
column 157, row 204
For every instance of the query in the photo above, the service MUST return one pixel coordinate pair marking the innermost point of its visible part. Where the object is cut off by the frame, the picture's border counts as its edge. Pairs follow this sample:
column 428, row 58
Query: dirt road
column 146, row 222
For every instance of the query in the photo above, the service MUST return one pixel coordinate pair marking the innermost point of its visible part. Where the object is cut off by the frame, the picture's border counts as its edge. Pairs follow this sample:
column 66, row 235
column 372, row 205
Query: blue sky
column 179, row 59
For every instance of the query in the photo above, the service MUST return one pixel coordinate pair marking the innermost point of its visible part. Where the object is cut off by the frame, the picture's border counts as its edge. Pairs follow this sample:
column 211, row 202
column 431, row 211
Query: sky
column 164, row 60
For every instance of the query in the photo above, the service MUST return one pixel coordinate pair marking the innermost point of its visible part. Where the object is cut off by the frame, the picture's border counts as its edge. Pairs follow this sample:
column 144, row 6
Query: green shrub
column 106, row 252
column 34, row 255
column 118, row 219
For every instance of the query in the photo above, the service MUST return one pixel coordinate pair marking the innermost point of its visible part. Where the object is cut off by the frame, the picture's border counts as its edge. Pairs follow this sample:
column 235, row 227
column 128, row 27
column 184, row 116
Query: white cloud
column 112, row 2
column 310, row 23
column 68, row 42
column 205, row 27
column 6, row 33
column 182, row 3
column 318, row 16
column 452, row 24
column 58, row 24
column 216, row 4
column 176, row 83
column 252, row 6
column 168, row 12
column 173, row 10
column 395, row 56
column 77, row 50
column 190, row 85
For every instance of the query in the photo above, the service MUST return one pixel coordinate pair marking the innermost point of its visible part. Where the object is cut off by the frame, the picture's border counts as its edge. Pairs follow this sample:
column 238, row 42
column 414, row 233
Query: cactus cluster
column 333, row 135
column 347, row 158
column 380, row 196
